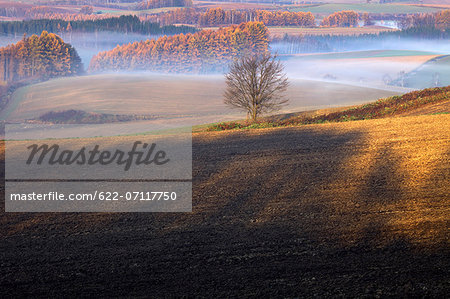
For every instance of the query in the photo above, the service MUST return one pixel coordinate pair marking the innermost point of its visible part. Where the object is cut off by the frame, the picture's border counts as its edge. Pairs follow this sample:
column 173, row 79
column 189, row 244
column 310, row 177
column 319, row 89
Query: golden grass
column 434, row 108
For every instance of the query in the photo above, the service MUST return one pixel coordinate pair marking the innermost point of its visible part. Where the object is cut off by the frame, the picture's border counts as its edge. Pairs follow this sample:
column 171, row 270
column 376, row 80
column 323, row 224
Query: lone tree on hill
column 256, row 84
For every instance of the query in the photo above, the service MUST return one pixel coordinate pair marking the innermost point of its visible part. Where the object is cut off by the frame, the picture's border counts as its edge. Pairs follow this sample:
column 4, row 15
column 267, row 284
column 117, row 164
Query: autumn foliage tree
column 285, row 18
column 43, row 56
column 202, row 51
column 256, row 84
column 219, row 16
column 442, row 20
column 86, row 10
column 341, row 19
column 367, row 19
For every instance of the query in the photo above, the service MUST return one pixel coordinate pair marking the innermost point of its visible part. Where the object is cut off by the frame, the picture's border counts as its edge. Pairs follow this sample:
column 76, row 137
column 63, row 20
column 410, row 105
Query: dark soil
column 317, row 211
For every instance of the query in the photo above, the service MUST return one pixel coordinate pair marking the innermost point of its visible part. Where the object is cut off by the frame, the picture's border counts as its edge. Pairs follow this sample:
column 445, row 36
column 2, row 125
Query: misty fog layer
column 378, row 69
column 379, row 63
column 345, row 72
column 373, row 69
column 364, row 44
column 89, row 44
column 194, row 98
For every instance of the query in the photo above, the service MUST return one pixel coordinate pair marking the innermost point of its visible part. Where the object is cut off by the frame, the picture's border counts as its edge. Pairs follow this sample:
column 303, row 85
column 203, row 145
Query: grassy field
column 351, row 209
column 281, row 31
column 115, row 11
column 197, row 98
column 369, row 8
column 408, row 54
column 73, row 9
column 233, row 5
column 367, row 68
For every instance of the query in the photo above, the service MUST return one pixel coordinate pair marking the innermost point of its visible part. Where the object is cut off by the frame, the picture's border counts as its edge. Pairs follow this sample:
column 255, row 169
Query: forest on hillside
column 122, row 24
column 38, row 57
column 199, row 52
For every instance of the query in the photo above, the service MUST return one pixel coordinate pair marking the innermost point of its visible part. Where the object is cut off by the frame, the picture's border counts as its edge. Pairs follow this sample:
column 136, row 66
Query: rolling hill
column 434, row 72
column 422, row 102
column 355, row 209
column 195, row 99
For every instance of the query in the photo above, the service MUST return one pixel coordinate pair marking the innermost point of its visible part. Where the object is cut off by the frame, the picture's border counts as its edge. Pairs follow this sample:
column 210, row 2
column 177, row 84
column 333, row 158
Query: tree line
column 14, row 10
column 341, row 19
column 294, row 44
column 20, row 10
column 199, row 52
column 420, row 26
column 439, row 20
column 38, row 57
column 219, row 16
column 123, row 24
column 442, row 19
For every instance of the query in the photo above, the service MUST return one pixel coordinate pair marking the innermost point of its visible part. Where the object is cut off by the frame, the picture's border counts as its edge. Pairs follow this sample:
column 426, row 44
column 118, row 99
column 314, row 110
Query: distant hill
column 434, row 72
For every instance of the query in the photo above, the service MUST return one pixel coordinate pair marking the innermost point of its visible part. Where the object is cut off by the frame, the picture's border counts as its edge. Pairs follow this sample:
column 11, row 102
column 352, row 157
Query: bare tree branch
column 256, row 84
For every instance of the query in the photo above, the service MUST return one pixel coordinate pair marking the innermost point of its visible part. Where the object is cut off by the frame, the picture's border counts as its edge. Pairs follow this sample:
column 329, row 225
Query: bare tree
column 402, row 78
column 256, row 84
column 436, row 79
column 387, row 79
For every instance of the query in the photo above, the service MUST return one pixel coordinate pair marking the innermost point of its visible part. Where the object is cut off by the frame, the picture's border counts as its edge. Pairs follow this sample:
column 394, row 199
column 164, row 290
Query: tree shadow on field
column 297, row 180
column 385, row 182
column 276, row 213
column 279, row 211
column 381, row 190
column 280, row 171
column 406, row 208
